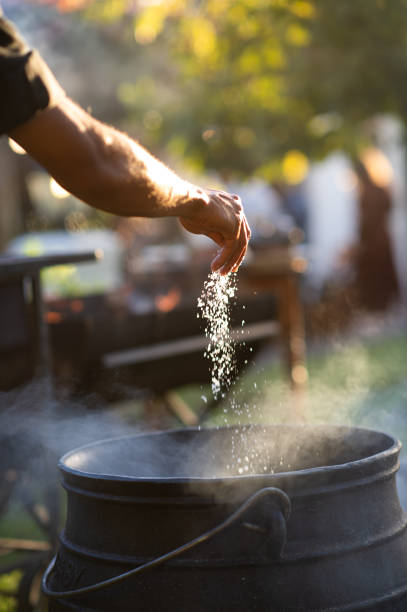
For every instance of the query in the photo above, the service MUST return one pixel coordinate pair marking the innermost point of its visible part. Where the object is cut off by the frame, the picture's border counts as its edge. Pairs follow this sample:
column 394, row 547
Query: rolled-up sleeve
column 27, row 85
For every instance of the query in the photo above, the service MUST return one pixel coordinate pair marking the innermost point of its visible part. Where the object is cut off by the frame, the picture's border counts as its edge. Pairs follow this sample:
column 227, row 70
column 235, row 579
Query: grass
column 8, row 582
column 27, row 528
column 357, row 383
column 16, row 523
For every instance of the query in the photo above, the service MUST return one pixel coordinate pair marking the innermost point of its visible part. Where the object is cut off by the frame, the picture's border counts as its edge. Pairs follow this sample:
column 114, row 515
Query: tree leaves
column 252, row 80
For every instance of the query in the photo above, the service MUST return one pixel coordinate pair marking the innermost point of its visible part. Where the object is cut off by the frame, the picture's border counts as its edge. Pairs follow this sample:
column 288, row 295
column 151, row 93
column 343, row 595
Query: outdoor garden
column 300, row 107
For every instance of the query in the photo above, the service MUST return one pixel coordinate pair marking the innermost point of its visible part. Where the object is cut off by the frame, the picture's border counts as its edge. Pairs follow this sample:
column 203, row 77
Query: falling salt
column 214, row 305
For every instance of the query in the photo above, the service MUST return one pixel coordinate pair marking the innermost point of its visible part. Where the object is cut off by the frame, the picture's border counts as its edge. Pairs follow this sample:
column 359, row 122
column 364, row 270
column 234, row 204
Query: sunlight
column 57, row 191
column 15, row 147
column 378, row 167
column 295, row 167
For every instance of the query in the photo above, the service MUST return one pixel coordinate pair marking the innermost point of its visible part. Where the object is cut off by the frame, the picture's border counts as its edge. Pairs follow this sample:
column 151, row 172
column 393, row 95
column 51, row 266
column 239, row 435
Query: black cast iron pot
column 246, row 519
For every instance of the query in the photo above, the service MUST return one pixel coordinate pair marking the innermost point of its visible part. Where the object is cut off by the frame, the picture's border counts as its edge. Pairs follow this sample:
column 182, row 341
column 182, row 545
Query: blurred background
column 300, row 107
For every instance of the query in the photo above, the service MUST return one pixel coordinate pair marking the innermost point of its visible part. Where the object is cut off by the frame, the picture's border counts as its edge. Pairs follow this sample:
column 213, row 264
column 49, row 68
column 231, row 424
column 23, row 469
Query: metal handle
column 275, row 527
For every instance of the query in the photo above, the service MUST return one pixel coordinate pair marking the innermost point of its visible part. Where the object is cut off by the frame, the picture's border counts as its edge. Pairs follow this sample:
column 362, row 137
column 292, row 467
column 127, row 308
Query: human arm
column 110, row 171
column 100, row 165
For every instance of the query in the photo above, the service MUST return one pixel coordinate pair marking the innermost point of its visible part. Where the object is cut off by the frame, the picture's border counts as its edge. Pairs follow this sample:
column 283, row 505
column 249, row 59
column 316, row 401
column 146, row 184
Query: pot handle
column 276, row 528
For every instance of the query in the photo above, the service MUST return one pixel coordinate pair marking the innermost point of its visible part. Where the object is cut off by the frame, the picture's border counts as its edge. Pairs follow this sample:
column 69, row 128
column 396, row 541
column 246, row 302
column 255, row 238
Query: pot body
column 343, row 547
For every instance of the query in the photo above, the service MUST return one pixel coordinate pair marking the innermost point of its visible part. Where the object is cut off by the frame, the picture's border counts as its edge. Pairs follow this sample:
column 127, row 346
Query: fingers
column 231, row 255
column 234, row 250
column 244, row 251
column 245, row 232
column 224, row 221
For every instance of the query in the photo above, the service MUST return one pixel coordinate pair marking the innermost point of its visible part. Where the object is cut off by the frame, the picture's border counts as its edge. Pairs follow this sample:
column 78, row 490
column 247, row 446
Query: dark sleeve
column 26, row 83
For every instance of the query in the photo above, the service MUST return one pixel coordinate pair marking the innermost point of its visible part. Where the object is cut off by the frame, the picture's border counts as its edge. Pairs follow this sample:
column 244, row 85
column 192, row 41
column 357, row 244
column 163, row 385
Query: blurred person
column 262, row 206
column 102, row 166
column 376, row 282
column 294, row 203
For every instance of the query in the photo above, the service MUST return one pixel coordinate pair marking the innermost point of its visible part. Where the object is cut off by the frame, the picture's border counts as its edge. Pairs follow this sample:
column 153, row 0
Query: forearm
column 102, row 166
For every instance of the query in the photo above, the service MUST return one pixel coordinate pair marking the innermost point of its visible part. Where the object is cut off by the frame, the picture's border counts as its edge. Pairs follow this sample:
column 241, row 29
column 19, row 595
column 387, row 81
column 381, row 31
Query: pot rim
column 388, row 453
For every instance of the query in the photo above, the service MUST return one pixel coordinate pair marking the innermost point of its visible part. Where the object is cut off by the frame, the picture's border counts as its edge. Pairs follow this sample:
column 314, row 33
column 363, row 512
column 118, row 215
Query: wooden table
column 279, row 272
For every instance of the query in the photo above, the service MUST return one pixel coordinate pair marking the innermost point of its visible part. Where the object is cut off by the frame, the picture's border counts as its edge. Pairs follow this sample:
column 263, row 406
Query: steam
column 354, row 383
column 38, row 428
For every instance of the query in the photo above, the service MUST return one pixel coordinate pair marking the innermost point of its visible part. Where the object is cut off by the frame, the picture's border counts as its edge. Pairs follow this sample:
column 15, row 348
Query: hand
column 220, row 216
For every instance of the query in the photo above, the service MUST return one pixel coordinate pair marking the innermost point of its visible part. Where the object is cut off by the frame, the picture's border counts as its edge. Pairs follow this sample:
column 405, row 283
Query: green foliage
column 236, row 84
column 9, row 583
column 354, row 383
